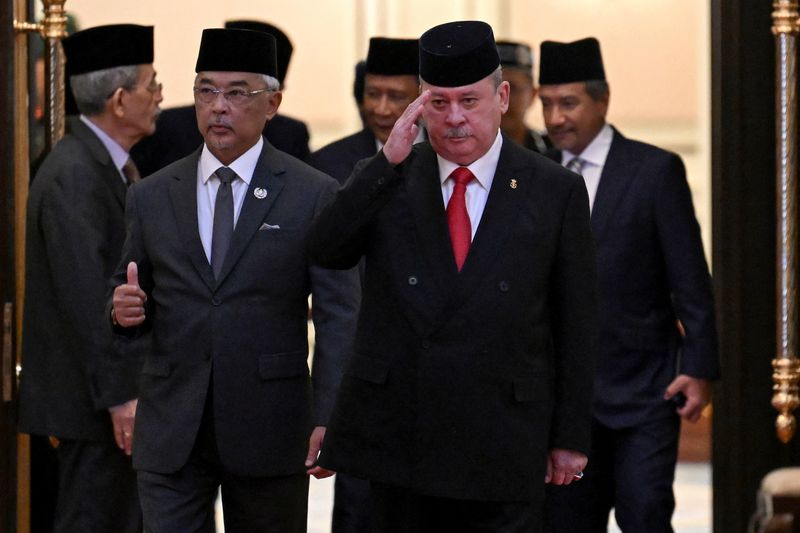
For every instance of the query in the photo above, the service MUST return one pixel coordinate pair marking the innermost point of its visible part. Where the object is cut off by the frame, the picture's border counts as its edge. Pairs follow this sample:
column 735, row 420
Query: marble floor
column 692, row 494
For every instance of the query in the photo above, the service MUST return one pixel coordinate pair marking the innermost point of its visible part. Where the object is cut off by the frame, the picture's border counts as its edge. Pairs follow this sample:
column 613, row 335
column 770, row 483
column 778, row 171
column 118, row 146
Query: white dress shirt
column 478, row 189
column 208, row 183
column 594, row 156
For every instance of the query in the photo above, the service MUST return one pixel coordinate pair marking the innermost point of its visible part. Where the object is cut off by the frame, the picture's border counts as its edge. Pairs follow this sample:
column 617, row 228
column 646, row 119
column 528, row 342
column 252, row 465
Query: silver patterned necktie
column 223, row 219
column 576, row 165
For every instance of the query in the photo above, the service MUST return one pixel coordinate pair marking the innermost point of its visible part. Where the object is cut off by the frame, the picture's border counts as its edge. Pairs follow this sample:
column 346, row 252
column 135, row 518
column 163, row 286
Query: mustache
column 219, row 122
column 457, row 133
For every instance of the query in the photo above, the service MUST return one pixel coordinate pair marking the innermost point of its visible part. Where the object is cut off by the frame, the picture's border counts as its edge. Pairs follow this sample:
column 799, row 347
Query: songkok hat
column 570, row 62
column 102, row 47
column 284, row 45
column 358, row 81
column 516, row 55
column 393, row 57
column 457, row 53
column 237, row 51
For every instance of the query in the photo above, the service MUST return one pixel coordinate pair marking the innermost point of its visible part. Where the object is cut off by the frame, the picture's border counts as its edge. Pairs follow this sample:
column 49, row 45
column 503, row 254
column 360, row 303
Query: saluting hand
column 128, row 301
column 405, row 130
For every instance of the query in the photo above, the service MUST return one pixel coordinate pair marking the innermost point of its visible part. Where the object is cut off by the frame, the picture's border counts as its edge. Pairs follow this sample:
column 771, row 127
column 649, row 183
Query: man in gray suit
column 215, row 266
column 76, row 386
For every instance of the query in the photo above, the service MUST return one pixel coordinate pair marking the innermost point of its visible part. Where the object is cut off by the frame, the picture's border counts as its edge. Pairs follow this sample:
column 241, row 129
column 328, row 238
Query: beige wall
column 656, row 55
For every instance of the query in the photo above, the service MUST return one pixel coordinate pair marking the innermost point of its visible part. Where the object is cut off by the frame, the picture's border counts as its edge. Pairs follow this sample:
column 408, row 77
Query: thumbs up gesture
column 128, row 300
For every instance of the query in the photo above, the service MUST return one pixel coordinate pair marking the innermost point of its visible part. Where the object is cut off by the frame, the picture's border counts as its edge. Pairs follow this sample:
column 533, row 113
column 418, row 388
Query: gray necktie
column 223, row 219
column 130, row 172
column 576, row 165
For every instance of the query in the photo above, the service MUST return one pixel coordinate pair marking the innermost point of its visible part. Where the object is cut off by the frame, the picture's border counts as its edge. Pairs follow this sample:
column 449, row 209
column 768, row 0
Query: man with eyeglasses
column 215, row 266
column 79, row 385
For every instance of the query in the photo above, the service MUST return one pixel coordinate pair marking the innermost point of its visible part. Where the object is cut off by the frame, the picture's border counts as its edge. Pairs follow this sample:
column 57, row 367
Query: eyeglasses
column 154, row 87
column 236, row 96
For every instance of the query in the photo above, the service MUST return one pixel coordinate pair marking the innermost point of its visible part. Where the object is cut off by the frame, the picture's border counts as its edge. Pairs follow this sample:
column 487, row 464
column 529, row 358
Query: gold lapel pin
column 513, row 184
column 260, row 193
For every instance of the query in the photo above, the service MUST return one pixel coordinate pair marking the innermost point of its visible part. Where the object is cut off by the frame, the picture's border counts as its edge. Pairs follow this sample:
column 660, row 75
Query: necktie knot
column 225, row 175
column 130, row 172
column 576, row 165
column 462, row 176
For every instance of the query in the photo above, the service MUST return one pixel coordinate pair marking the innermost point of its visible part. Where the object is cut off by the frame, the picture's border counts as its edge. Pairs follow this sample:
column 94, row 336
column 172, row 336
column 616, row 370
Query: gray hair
column 272, row 83
column 597, row 89
column 93, row 89
column 496, row 75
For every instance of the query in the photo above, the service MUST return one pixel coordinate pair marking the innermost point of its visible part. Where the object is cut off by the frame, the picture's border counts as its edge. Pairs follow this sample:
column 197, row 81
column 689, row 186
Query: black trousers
column 351, row 505
column 96, row 489
column 630, row 470
column 183, row 501
column 401, row 510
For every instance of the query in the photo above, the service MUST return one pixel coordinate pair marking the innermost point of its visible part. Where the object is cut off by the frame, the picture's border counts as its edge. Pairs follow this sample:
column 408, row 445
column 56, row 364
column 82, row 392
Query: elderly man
column 215, row 266
column 517, row 62
column 470, row 381
column 657, row 345
column 391, row 83
column 78, row 385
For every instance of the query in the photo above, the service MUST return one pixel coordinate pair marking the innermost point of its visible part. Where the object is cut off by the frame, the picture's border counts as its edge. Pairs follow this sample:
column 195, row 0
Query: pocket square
column 266, row 226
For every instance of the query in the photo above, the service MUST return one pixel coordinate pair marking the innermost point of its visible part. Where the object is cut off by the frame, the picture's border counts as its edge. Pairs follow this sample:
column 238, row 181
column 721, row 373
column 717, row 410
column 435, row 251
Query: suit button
column 381, row 180
column 426, row 344
column 503, row 285
column 412, row 280
column 216, row 302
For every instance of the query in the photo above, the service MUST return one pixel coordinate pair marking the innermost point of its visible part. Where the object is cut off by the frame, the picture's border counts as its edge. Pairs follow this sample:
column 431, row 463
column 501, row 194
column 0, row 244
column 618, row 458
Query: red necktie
column 457, row 216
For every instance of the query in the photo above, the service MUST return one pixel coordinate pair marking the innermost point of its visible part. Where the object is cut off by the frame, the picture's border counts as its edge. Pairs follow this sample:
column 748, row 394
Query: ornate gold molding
column 786, row 26
column 785, row 17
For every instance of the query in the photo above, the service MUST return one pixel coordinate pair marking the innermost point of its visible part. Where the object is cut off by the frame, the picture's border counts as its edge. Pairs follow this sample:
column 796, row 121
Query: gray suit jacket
column 72, row 369
column 247, row 331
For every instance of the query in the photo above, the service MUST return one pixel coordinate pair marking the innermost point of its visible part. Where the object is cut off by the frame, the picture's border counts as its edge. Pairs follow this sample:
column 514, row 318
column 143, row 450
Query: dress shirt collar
column 483, row 168
column 244, row 165
column 597, row 151
column 118, row 154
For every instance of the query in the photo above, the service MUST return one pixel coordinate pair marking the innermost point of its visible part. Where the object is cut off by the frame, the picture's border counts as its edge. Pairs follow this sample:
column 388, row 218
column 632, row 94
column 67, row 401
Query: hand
column 122, row 417
column 128, row 300
column 697, row 392
column 564, row 465
column 405, row 130
column 314, row 446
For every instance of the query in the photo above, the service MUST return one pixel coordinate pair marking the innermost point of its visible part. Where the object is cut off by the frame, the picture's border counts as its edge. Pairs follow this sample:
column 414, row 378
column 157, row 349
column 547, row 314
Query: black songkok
column 284, row 45
column 570, row 62
column 102, row 47
column 516, row 55
column 393, row 57
column 237, row 51
column 457, row 53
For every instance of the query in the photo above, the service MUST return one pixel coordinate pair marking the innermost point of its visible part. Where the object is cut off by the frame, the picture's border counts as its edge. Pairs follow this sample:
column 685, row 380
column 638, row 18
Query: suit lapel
column 101, row 155
column 183, row 194
column 614, row 181
column 268, row 175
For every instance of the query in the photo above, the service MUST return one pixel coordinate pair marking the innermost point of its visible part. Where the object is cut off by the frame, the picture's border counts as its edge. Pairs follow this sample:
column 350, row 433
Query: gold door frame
column 786, row 365
column 52, row 29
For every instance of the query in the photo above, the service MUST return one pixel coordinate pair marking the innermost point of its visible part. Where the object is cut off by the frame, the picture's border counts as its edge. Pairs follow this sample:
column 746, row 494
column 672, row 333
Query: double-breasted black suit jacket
column 246, row 331
column 338, row 158
column 72, row 368
column 651, row 271
column 460, row 382
column 177, row 136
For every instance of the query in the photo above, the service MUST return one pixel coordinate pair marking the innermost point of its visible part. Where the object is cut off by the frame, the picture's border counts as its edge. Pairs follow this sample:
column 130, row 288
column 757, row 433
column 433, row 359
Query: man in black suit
column 657, row 345
column 177, row 134
column 517, row 62
column 391, row 83
column 78, row 385
column 215, row 266
column 470, row 381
